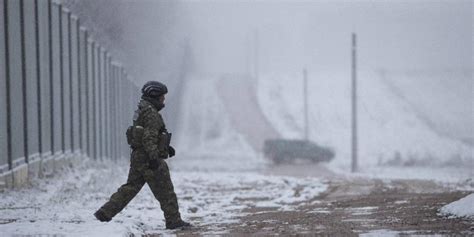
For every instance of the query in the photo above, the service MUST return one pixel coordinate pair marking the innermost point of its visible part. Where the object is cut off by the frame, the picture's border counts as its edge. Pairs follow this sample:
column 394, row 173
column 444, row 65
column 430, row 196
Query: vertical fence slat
column 66, row 83
column 90, row 98
column 31, row 79
column 83, row 75
column 56, row 71
column 15, row 84
column 44, row 75
column 96, row 102
column 3, row 93
column 75, row 89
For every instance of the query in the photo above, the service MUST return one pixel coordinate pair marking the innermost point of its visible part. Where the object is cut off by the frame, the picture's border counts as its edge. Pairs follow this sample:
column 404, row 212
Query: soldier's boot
column 179, row 224
column 101, row 216
column 162, row 188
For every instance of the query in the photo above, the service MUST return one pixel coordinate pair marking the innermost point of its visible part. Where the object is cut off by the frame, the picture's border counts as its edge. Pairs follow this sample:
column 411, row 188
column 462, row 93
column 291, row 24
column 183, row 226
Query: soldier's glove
column 153, row 164
column 171, row 151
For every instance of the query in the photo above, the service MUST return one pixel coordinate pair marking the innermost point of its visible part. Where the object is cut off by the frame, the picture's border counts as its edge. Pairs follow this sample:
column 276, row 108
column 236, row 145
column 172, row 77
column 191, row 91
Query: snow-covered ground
column 394, row 141
column 391, row 130
column 206, row 136
column 463, row 208
column 64, row 204
column 217, row 174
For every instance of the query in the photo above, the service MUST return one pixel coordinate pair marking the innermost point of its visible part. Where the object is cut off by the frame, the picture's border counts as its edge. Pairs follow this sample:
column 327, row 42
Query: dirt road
column 353, row 207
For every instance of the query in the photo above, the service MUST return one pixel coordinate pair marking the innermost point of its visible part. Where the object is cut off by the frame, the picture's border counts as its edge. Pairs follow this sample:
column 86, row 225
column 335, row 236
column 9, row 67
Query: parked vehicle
column 288, row 150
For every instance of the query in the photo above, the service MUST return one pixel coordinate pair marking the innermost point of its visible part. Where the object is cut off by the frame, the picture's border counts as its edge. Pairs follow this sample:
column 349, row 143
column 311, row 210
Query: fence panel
column 15, row 78
column 97, row 137
column 122, row 109
column 115, row 115
column 56, row 112
column 75, row 89
column 91, row 100
column 108, row 110
column 102, row 125
column 45, row 78
column 66, row 81
column 84, row 89
column 3, row 94
column 32, row 80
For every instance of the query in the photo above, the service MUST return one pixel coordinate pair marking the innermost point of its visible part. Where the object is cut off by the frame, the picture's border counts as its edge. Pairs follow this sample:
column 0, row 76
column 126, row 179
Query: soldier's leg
column 160, row 184
column 124, row 194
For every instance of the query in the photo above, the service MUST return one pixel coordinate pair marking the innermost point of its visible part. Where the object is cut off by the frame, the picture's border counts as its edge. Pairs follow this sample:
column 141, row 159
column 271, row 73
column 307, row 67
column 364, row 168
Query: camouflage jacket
column 147, row 115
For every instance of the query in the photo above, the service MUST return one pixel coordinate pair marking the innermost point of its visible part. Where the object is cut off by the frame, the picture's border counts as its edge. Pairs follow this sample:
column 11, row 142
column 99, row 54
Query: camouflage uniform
column 147, row 165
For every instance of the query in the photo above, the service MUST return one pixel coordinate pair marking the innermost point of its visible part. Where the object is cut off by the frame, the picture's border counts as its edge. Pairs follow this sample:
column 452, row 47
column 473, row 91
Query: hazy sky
column 396, row 34
column 392, row 34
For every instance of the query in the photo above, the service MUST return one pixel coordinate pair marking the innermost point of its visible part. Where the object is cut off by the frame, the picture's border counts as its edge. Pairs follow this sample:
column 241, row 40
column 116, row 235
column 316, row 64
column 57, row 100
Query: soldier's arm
column 152, row 124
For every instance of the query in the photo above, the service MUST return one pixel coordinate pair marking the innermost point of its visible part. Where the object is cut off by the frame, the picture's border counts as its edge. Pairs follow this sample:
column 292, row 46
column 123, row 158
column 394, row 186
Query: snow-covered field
column 65, row 203
column 392, row 131
column 394, row 141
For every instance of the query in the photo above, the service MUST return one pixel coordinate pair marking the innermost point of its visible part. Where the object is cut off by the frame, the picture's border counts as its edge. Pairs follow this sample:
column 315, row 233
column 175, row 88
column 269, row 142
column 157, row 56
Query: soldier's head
column 156, row 90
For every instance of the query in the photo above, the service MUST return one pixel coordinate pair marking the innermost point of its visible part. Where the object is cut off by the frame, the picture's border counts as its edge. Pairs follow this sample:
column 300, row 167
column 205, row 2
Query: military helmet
column 154, row 89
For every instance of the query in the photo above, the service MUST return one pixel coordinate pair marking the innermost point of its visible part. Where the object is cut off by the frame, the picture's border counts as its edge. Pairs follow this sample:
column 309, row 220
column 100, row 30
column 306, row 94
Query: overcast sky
column 396, row 34
column 392, row 34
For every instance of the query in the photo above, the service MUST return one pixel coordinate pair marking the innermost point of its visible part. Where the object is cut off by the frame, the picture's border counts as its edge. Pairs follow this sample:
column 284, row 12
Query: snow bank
column 463, row 208
column 390, row 131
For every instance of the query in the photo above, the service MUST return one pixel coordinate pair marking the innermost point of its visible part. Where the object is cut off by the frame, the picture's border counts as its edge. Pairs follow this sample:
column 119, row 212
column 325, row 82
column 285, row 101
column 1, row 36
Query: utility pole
column 255, row 54
column 305, row 95
column 354, row 103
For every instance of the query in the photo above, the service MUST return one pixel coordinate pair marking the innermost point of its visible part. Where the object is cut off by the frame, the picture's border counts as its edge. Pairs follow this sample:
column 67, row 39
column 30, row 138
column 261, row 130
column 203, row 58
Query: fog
column 401, row 35
column 260, row 106
column 417, row 54
column 291, row 34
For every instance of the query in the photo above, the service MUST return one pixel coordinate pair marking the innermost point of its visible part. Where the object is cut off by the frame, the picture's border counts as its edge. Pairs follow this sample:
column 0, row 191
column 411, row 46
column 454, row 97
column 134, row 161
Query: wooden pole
column 354, row 103
column 305, row 95
column 256, row 56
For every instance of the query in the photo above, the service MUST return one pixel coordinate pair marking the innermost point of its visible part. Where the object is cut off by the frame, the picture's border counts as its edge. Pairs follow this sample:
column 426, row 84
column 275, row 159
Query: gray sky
column 392, row 34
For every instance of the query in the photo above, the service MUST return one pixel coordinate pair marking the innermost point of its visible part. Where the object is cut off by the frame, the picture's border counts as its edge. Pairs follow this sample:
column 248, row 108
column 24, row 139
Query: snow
column 64, row 204
column 391, row 130
column 391, row 233
column 462, row 208
column 361, row 211
column 206, row 133
column 207, row 139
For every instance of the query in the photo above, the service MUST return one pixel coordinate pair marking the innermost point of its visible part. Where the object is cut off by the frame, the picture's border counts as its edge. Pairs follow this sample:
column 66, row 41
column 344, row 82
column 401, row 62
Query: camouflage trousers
column 158, row 180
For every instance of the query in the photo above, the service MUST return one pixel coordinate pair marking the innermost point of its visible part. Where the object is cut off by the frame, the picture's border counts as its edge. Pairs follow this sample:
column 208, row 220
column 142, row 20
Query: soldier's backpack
column 135, row 136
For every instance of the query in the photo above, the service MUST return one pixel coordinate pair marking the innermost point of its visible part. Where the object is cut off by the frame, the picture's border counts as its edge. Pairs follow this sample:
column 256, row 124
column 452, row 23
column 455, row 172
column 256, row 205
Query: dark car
column 287, row 150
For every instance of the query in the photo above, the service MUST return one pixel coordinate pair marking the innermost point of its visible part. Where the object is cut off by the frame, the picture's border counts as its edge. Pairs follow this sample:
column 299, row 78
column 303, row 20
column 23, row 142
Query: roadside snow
column 462, row 208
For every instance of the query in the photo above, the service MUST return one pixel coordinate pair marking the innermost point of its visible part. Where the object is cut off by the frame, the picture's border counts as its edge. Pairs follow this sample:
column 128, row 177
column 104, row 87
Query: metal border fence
column 61, row 93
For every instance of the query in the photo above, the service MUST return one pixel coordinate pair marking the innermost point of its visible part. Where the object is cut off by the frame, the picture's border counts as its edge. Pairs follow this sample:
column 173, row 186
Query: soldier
column 149, row 141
